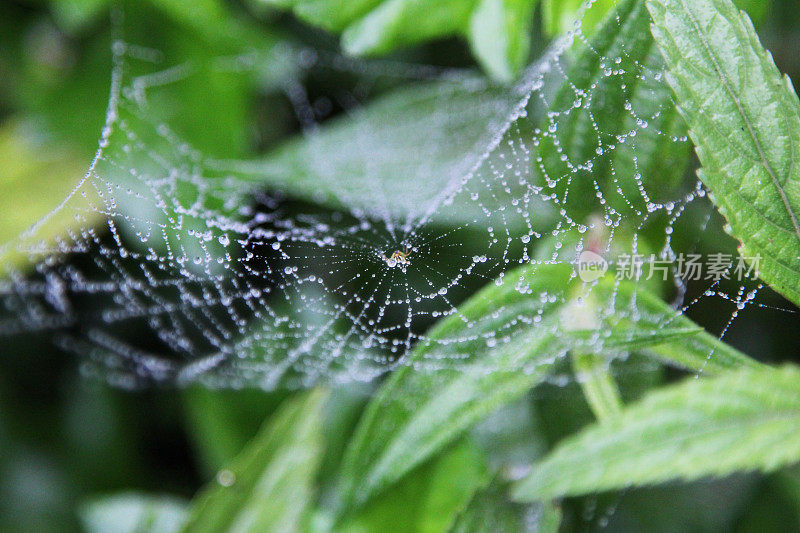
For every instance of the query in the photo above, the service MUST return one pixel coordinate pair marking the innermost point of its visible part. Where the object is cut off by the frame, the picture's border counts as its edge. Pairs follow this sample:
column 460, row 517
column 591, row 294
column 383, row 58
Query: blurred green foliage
column 498, row 30
column 73, row 449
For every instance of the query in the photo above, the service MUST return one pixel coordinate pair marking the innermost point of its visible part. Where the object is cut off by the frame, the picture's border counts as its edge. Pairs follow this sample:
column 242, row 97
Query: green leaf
column 744, row 119
column 340, row 163
column 498, row 30
column 418, row 411
column 499, row 35
column 342, row 411
column 510, row 436
column 359, row 161
column 610, row 89
column 594, row 375
column 133, row 513
column 398, row 23
column 429, row 498
column 592, row 370
column 221, row 422
column 787, row 483
column 497, row 352
column 208, row 17
column 742, row 420
column 641, row 320
column 332, row 15
column 270, row 485
column 75, row 15
column 653, row 157
column 490, row 511
column 205, row 16
column 560, row 16
column 44, row 197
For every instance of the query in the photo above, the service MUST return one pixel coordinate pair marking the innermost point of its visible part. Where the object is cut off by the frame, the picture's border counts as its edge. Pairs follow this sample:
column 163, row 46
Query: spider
column 398, row 258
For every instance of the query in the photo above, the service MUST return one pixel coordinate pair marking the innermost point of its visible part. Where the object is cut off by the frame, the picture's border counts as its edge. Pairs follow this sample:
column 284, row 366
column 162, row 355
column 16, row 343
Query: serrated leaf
column 742, row 420
column 133, row 513
column 427, row 403
column 744, row 119
column 270, row 485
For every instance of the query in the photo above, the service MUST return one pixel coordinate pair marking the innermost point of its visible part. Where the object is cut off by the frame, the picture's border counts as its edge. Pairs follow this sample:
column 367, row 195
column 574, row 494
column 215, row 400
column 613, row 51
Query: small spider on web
column 398, row 258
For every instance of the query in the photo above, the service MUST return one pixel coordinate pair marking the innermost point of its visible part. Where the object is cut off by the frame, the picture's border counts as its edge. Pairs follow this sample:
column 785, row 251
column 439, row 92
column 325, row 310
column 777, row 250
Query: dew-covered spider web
column 351, row 250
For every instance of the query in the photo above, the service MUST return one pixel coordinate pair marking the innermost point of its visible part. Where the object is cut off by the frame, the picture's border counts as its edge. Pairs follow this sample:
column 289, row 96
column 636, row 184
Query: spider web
column 330, row 259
